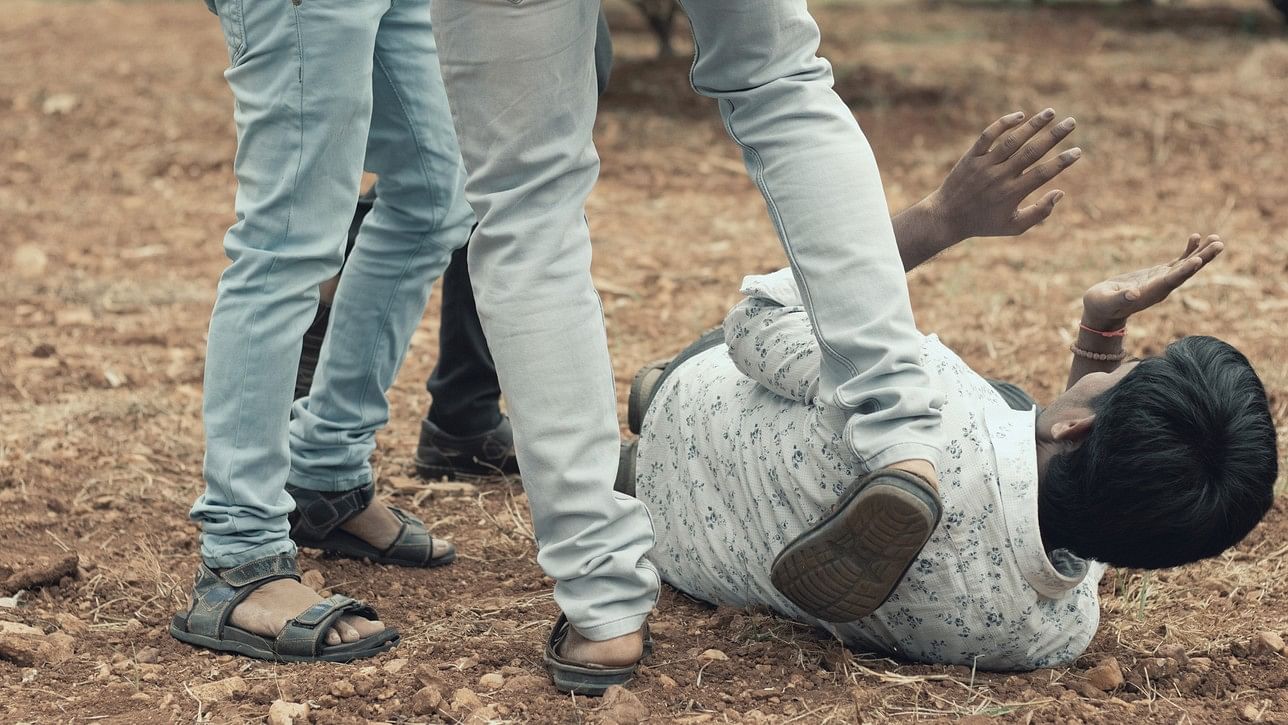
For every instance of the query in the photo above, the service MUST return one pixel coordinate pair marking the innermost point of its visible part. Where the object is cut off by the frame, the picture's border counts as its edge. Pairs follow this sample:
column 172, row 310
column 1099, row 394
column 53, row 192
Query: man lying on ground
column 1148, row 464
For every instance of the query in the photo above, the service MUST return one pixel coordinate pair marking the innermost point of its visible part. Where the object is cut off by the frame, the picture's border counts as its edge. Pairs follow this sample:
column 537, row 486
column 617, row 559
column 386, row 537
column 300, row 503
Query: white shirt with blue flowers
column 737, row 457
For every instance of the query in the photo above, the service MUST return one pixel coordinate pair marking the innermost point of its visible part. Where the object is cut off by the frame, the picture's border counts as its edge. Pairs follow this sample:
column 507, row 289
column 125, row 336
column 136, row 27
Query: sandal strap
column 216, row 594
column 318, row 513
column 413, row 542
column 305, row 635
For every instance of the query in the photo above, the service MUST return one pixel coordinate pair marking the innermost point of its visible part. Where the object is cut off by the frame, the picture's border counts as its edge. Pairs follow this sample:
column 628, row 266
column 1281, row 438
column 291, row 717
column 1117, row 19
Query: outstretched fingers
column 1204, row 251
column 1043, row 173
column 1015, row 140
column 994, row 131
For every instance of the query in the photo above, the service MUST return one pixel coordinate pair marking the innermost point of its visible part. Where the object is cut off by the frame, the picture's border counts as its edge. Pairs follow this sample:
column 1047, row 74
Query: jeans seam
column 420, row 150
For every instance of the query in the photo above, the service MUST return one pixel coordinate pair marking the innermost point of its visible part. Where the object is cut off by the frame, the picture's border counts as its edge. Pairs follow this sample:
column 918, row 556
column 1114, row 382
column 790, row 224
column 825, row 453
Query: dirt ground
column 115, row 188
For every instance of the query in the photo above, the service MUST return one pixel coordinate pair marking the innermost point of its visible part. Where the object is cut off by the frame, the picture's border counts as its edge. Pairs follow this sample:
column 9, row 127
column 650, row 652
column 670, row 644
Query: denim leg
column 521, row 80
column 418, row 218
column 819, row 178
column 300, row 78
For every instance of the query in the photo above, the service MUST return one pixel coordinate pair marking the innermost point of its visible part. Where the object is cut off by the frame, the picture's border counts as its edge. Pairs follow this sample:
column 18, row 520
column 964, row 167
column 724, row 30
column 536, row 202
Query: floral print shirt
column 737, row 457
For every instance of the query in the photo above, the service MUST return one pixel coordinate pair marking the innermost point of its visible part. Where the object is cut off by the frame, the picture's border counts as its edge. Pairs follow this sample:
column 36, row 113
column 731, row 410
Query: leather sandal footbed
column 821, row 535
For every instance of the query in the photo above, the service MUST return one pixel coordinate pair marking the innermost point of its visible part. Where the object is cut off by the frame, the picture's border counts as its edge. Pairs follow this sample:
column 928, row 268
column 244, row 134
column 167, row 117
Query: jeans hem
column 259, row 551
column 615, row 628
column 328, row 484
column 903, row 452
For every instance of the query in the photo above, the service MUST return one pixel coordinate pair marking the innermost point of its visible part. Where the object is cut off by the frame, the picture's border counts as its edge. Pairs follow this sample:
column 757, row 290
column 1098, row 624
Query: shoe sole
column 847, row 565
column 642, row 386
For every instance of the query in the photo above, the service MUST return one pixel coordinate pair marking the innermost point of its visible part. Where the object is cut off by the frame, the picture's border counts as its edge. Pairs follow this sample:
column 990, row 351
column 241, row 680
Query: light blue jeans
column 519, row 77
column 322, row 88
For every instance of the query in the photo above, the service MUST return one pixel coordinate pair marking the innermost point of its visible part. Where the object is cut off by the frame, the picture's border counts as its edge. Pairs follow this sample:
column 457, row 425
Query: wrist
column 1102, row 322
column 940, row 221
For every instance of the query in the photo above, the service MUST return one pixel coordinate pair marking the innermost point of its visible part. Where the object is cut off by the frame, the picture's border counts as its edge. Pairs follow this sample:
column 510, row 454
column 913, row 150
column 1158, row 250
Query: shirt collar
column 1012, row 433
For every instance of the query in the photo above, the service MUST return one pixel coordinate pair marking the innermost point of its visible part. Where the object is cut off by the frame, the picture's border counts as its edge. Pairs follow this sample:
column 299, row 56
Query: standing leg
column 521, row 80
column 300, row 79
column 419, row 217
column 819, row 178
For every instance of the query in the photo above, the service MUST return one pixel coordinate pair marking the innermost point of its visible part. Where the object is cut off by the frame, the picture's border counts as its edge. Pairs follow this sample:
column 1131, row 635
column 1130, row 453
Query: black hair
column 1180, row 464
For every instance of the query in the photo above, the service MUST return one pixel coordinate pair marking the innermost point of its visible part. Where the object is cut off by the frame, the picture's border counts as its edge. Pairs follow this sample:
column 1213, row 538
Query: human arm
column 981, row 196
column 1107, row 305
column 774, row 345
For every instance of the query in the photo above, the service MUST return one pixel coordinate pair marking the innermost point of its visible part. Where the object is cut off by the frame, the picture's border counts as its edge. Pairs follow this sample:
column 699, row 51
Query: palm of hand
column 1120, row 297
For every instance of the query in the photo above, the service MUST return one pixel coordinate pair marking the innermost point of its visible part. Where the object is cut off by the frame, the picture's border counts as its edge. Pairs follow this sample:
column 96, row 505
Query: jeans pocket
column 233, row 25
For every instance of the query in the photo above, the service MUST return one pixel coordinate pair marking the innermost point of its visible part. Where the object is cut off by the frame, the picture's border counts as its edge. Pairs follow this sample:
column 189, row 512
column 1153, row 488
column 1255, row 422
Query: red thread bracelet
column 1121, row 332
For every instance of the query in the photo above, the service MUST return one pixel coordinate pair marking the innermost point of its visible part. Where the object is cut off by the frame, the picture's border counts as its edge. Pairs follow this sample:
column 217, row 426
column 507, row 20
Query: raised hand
column 981, row 196
column 1108, row 304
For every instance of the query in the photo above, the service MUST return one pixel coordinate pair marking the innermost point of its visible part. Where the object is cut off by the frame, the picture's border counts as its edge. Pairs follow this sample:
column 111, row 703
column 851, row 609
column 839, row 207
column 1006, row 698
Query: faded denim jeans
column 521, row 84
column 322, row 88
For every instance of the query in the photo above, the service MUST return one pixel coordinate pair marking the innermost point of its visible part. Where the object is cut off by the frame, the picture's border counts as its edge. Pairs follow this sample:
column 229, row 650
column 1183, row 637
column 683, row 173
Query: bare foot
column 617, row 652
column 919, row 467
column 267, row 610
column 378, row 526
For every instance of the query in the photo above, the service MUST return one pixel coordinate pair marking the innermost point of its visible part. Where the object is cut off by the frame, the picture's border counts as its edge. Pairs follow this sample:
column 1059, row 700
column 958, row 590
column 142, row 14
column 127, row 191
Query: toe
column 333, row 637
column 347, row 632
column 364, row 627
column 443, row 548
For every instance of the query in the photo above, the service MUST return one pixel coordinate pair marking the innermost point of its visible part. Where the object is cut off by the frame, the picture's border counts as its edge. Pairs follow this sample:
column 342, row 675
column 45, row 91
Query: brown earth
column 115, row 187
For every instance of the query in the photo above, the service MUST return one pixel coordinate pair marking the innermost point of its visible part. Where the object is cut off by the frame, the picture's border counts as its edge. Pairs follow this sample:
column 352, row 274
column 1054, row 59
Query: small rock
column 1250, row 713
column 282, row 712
column 525, row 683
column 714, row 655
column 45, row 571
column 29, row 647
column 59, row 104
column 482, row 715
column 451, row 488
column 20, row 628
column 1174, row 652
column 393, row 667
column 220, row 690
column 313, row 579
column 465, row 700
column 71, row 624
column 1200, row 664
column 343, row 688
column 667, row 682
column 622, row 706
column 426, row 701
column 1267, row 643
column 492, row 680
column 148, row 655
column 1106, row 676
column 1088, row 690
column 30, row 261
column 1156, row 667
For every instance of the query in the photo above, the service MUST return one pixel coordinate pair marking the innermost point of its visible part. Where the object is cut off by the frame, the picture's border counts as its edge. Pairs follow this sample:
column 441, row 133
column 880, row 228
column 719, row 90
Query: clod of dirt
column 393, row 667
column 30, row 261
column 342, row 688
column 621, row 706
column 220, row 690
column 1156, row 667
column 465, row 700
column 427, row 700
column 313, row 579
column 714, row 655
column 667, row 682
column 1200, row 664
column 1174, row 652
column 148, row 656
column 282, row 712
column 1106, row 676
column 29, row 647
column 367, row 679
column 525, row 683
column 483, row 715
column 1267, row 643
column 42, row 572
column 492, row 680
column 1251, row 713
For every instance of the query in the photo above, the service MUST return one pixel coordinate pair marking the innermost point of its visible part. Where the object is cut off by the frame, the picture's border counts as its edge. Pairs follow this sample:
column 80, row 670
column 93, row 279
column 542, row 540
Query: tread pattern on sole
column 849, row 565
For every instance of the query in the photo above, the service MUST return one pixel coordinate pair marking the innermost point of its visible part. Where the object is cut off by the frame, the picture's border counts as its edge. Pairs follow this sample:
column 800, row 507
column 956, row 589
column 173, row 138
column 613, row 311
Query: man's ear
column 1073, row 431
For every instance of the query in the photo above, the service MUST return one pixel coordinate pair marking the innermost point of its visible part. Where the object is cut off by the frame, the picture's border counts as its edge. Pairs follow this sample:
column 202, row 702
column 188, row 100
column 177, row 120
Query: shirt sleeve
column 774, row 345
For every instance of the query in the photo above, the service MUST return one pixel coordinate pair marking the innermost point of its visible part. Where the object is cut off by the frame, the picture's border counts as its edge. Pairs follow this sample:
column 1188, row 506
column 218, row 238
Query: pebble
column 148, row 655
column 220, row 690
column 1267, row 643
column 1106, row 676
column 622, row 706
column 465, row 700
column 30, row 261
column 393, row 667
column 29, row 647
column 1174, row 652
column 492, row 680
column 714, row 655
column 1250, row 713
column 282, row 712
column 343, row 688
column 525, row 683
column 1200, row 664
column 313, row 579
column 667, row 682
column 426, row 701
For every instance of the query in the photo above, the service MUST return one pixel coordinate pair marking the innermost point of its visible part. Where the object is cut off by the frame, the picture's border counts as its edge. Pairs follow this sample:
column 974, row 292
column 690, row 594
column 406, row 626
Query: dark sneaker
column 485, row 455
